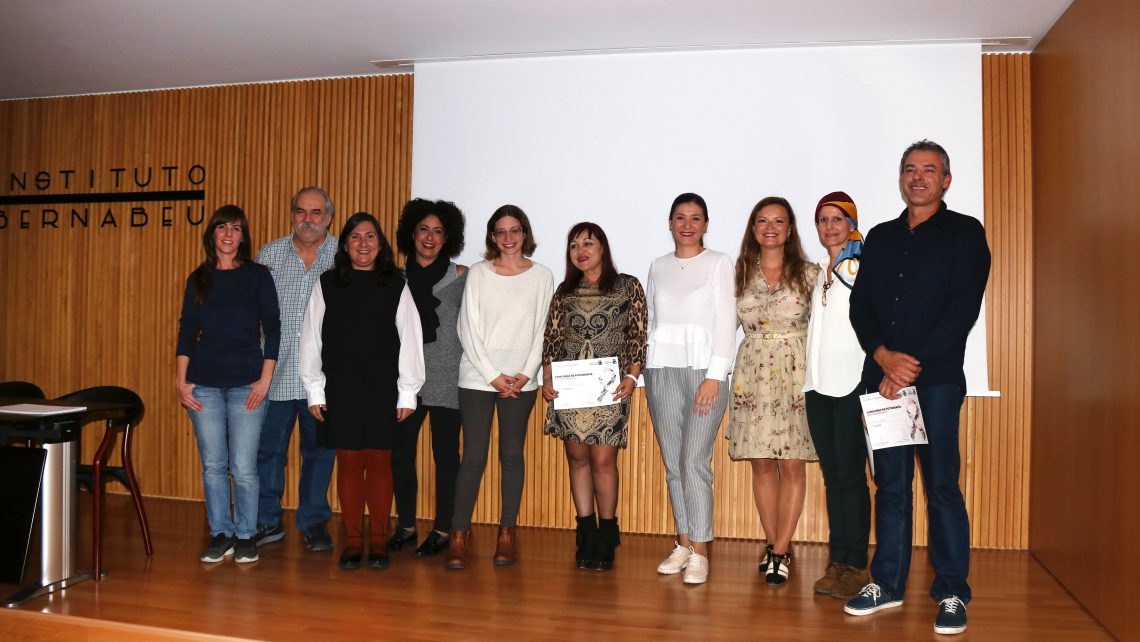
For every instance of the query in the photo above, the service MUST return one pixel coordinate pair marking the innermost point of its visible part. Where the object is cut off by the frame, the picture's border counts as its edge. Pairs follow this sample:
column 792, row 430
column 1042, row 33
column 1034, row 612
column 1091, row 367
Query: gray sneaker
column 317, row 538
column 245, row 551
column 220, row 547
column 268, row 535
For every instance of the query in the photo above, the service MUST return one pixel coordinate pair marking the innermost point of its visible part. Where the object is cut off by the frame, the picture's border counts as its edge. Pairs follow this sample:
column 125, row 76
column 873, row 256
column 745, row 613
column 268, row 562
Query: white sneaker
column 676, row 562
column 698, row 570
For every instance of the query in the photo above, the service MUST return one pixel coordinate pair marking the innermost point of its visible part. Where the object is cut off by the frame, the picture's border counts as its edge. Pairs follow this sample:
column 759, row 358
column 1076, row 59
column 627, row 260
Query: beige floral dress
column 768, row 419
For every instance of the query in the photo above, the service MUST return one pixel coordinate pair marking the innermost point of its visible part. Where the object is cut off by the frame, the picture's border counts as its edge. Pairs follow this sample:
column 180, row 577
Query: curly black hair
column 417, row 210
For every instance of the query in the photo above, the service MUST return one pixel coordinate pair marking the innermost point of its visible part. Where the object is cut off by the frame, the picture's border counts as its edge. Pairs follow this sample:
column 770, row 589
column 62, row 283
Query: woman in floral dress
column 768, row 422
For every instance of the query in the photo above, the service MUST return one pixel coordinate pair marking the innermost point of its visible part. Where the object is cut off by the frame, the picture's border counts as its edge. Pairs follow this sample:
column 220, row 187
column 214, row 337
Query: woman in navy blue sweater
column 224, row 374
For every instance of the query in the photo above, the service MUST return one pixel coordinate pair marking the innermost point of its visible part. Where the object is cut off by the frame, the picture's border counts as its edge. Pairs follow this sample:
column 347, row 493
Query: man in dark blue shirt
column 919, row 291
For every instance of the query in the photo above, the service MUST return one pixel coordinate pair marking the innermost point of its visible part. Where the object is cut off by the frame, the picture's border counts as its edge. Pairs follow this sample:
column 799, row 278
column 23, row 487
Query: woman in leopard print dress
column 596, row 312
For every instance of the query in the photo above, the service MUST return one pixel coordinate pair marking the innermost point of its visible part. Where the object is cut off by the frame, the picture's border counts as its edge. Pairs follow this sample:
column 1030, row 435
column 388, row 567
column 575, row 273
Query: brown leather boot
column 457, row 549
column 505, row 548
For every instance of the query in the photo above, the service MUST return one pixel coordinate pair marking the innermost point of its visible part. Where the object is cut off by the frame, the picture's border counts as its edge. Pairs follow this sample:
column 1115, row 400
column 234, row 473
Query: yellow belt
column 776, row 335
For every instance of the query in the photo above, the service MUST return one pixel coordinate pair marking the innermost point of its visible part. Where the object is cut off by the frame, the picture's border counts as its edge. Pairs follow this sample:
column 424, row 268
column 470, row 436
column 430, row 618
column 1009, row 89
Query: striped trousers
column 686, row 440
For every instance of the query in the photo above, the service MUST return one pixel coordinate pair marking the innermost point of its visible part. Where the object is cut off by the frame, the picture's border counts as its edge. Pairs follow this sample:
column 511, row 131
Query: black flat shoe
column 434, row 544
column 351, row 558
column 401, row 538
column 378, row 561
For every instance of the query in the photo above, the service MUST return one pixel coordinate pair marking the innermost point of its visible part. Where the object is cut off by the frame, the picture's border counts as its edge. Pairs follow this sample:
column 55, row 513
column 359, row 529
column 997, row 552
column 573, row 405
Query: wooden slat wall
column 995, row 431
column 85, row 307
column 261, row 142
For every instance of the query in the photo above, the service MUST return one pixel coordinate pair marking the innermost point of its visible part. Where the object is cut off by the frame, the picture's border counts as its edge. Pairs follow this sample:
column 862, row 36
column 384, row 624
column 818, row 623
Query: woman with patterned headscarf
column 832, row 387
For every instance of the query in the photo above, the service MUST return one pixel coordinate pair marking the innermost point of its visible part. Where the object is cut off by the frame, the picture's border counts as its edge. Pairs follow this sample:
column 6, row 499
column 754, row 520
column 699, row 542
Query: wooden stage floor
column 291, row 594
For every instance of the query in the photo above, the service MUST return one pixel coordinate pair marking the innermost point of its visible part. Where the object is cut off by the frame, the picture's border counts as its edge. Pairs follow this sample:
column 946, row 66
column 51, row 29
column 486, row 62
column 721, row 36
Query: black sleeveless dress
column 360, row 354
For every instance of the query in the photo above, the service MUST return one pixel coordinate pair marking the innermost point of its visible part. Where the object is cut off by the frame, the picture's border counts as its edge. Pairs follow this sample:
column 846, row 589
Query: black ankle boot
column 609, row 538
column 587, row 535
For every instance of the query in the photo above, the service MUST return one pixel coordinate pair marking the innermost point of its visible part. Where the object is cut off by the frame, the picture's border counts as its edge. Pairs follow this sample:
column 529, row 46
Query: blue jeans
column 228, row 435
column 316, row 465
column 949, row 525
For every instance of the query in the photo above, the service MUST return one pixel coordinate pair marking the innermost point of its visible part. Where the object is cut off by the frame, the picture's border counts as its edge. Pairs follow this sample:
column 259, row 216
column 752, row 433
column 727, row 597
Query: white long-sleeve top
column 501, row 323
column 692, row 313
column 411, row 360
column 834, row 356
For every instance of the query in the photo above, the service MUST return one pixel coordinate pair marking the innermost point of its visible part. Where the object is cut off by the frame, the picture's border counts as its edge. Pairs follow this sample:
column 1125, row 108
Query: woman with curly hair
column 430, row 235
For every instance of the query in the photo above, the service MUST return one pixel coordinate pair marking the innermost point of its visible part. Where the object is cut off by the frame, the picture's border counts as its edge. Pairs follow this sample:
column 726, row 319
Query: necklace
column 826, row 286
column 771, row 288
column 679, row 263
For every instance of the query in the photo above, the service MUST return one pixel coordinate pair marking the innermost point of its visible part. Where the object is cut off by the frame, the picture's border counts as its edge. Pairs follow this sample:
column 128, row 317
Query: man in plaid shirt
column 296, row 262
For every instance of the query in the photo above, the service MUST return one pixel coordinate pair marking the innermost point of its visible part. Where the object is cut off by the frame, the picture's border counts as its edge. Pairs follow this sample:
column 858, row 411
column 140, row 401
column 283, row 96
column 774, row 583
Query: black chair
column 92, row 476
column 21, row 389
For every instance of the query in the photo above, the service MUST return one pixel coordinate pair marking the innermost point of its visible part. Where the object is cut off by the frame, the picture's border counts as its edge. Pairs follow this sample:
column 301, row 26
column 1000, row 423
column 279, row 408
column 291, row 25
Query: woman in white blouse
column 692, row 337
column 832, row 387
column 501, row 323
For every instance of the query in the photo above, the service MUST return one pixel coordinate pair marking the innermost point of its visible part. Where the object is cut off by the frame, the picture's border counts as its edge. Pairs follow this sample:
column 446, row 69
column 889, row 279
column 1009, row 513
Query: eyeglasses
column 514, row 231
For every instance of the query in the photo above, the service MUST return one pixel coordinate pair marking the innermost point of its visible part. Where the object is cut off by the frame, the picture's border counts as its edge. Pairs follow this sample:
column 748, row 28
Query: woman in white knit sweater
column 501, row 325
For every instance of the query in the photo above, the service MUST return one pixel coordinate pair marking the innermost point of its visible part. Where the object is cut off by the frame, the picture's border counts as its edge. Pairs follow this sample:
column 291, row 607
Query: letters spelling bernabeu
column 86, row 217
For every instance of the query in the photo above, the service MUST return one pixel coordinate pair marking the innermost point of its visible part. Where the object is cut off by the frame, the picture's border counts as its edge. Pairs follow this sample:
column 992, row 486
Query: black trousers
column 445, row 423
column 837, row 430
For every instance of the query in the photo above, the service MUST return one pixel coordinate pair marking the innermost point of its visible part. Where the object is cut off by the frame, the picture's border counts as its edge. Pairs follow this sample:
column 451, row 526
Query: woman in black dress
column 362, row 364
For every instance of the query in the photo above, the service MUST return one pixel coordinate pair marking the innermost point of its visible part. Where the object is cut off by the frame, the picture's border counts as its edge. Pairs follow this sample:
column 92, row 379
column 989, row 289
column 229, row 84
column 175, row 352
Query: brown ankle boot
column 826, row 584
column 457, row 549
column 849, row 582
column 505, row 548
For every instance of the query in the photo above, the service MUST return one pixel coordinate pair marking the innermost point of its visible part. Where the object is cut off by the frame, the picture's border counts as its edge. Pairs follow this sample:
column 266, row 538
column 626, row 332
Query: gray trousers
column 686, row 440
column 477, row 408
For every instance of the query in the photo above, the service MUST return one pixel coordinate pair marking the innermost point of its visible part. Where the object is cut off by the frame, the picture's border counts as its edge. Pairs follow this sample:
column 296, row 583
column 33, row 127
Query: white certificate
column 585, row 383
column 892, row 422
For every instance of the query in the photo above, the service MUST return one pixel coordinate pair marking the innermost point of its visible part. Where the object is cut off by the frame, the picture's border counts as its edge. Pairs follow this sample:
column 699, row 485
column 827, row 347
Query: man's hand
column 889, row 388
column 898, row 366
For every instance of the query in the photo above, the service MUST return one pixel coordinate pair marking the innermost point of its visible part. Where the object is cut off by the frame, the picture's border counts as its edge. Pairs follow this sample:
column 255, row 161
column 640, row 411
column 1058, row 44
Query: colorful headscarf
column 847, row 263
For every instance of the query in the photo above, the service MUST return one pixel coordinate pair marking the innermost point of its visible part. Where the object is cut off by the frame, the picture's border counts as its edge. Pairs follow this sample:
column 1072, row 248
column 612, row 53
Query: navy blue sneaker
column 870, row 599
column 951, row 618
column 317, row 538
